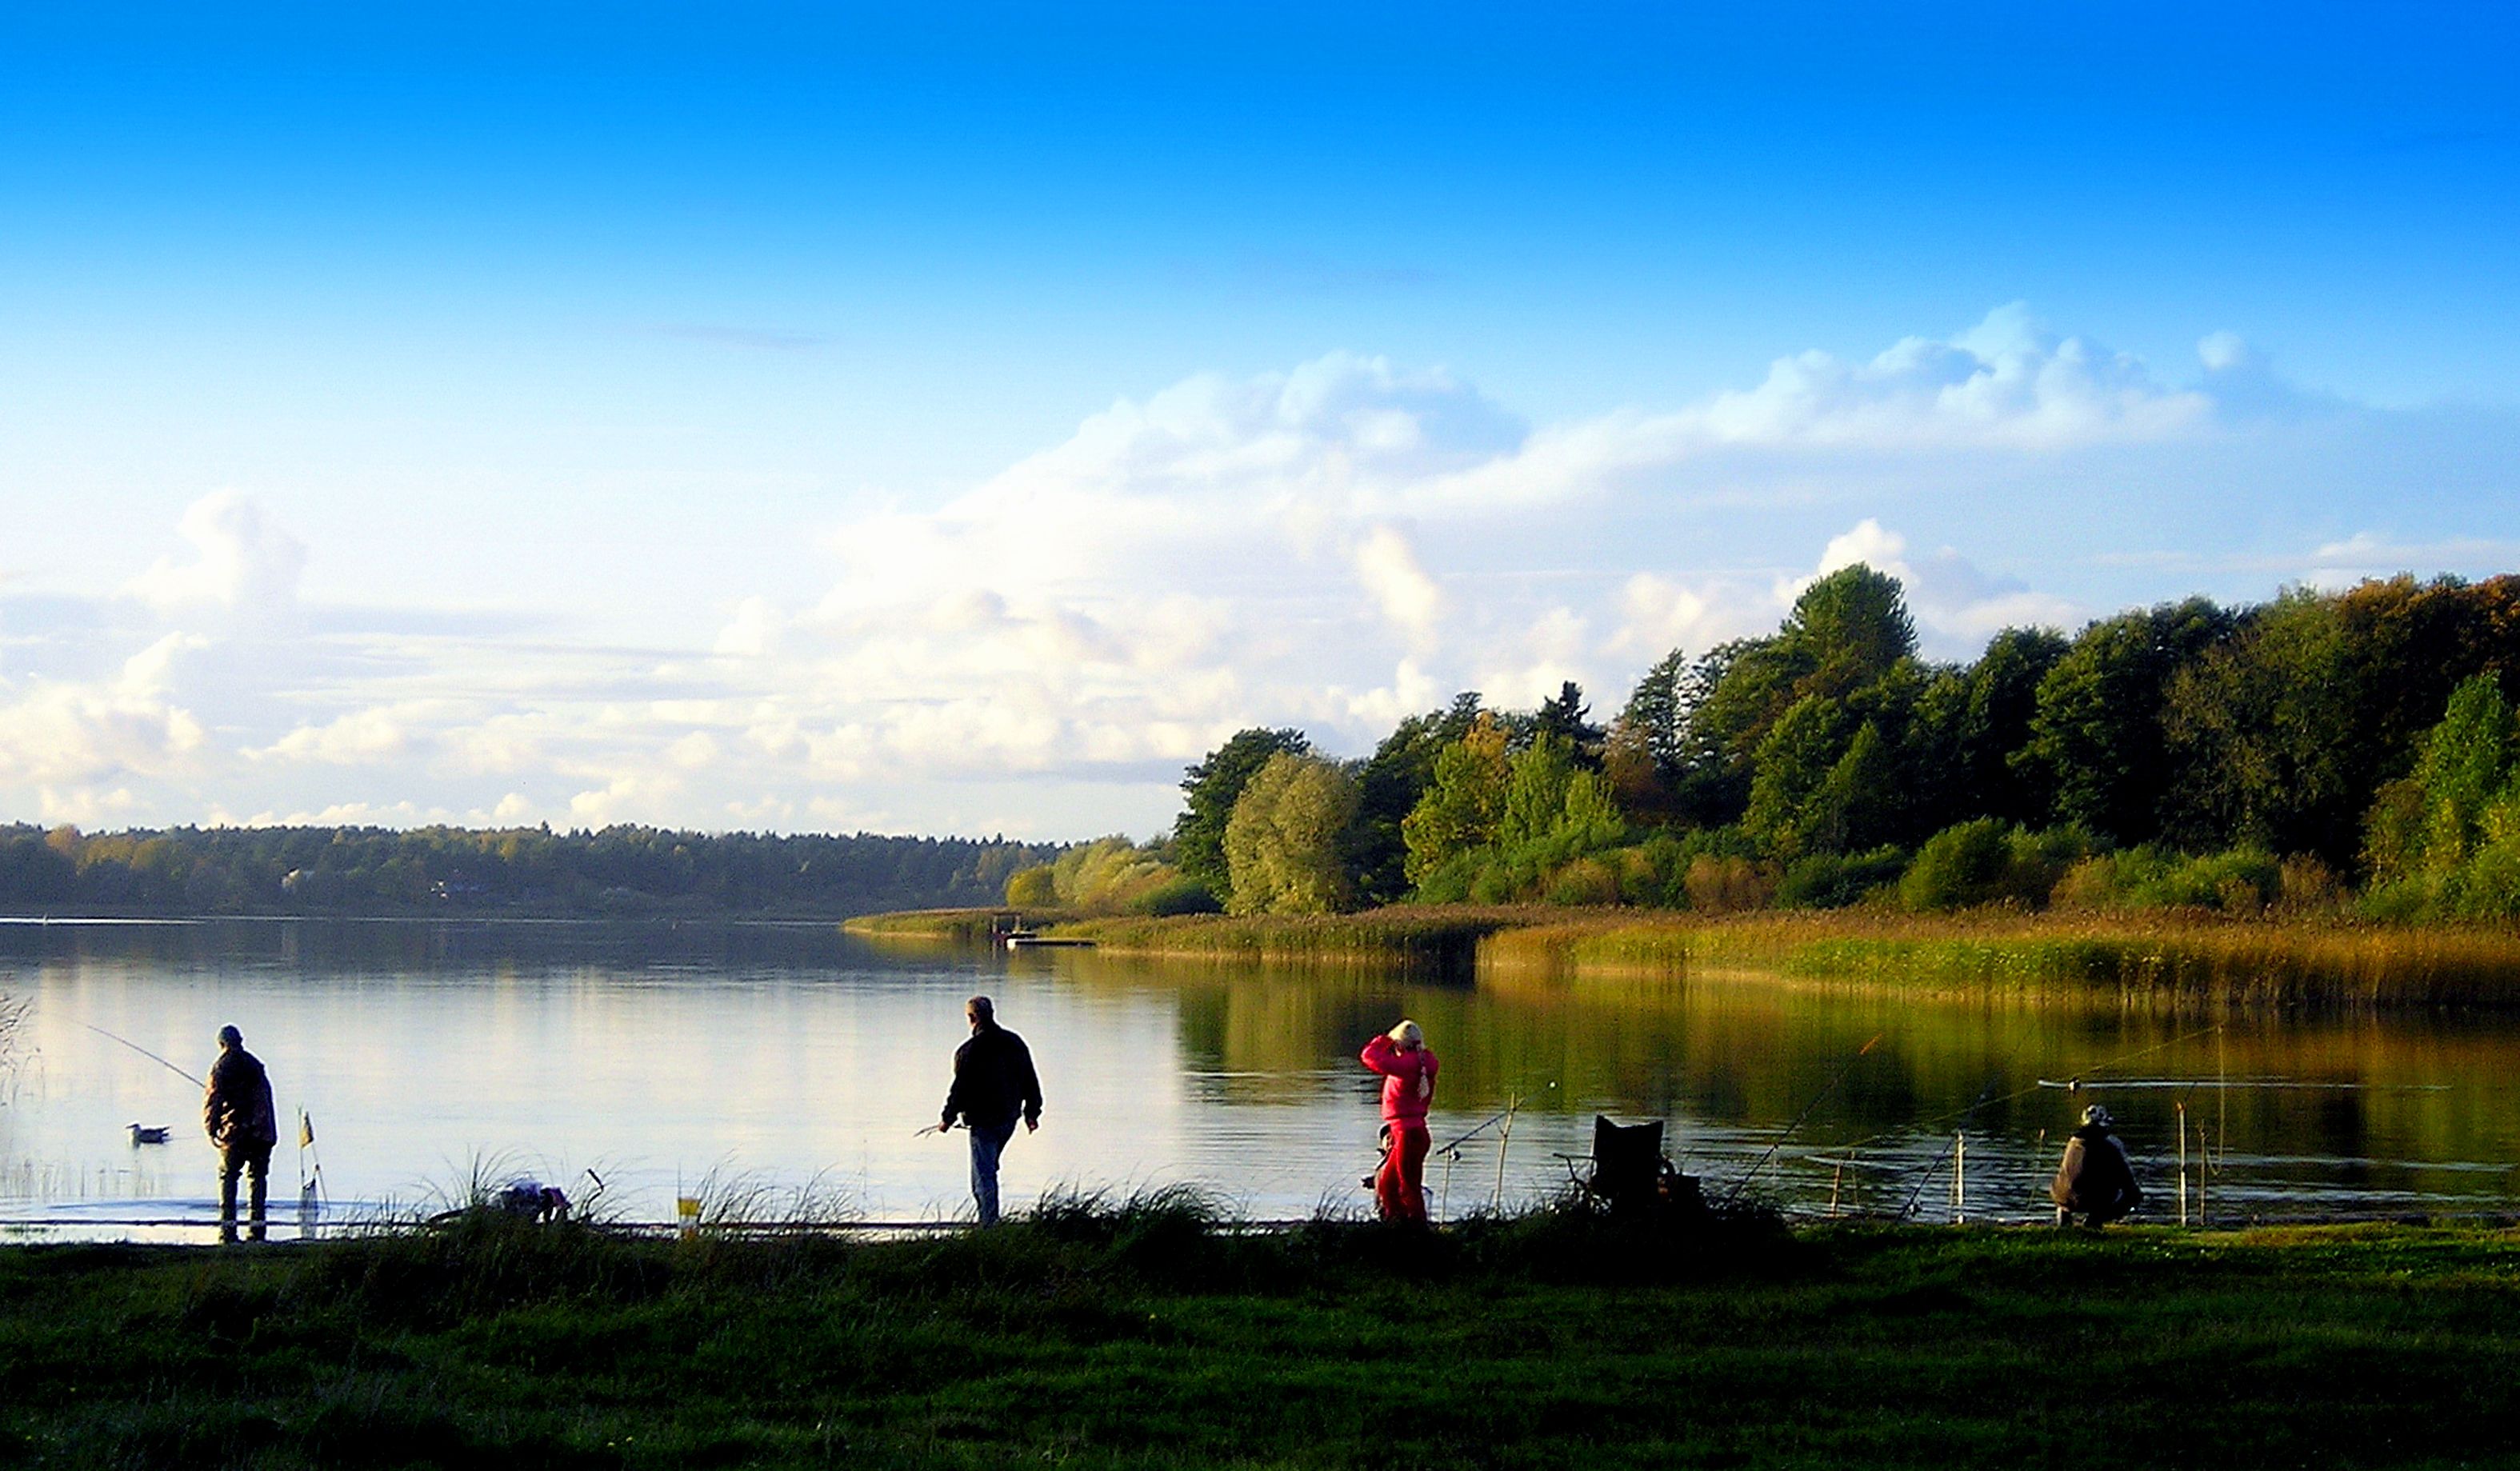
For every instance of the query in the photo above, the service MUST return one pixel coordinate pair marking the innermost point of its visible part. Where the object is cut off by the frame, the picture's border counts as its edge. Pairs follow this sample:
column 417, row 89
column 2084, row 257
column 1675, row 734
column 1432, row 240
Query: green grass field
column 1143, row 1337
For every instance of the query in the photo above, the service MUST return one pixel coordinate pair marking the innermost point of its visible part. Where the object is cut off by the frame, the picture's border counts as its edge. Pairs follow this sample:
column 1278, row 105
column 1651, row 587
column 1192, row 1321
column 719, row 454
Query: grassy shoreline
column 2174, row 958
column 1143, row 1337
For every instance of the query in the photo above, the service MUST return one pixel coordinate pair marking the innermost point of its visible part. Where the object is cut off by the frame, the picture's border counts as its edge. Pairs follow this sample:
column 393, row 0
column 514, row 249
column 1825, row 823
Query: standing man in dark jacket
column 993, row 1084
column 2095, row 1177
column 236, row 1111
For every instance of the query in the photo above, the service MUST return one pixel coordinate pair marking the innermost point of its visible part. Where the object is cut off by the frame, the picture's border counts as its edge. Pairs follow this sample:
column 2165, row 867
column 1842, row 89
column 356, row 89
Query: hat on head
column 2095, row 1114
column 230, row 1037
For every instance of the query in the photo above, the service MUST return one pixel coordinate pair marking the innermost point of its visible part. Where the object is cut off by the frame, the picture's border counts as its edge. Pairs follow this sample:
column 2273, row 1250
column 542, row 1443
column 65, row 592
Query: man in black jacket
column 993, row 1084
column 237, row 1114
column 2095, row 1178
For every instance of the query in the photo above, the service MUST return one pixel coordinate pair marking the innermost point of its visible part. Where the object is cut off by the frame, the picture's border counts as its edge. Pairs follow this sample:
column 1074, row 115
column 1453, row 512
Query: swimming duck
column 147, row 1136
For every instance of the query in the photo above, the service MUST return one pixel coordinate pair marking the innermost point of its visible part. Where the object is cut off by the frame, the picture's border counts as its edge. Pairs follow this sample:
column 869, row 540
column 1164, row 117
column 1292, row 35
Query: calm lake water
column 788, row 1059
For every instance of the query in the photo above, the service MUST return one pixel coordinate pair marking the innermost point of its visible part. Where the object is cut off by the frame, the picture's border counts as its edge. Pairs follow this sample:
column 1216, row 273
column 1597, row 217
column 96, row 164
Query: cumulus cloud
column 2007, row 384
column 1387, row 565
column 58, row 733
column 380, row 733
column 1335, row 545
column 240, row 561
column 1956, row 605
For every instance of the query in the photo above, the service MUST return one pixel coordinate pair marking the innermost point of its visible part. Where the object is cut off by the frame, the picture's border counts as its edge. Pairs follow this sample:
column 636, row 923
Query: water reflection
column 792, row 1057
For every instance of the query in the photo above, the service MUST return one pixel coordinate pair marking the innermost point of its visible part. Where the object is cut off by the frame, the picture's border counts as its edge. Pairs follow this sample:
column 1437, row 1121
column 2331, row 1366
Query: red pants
column 1400, row 1185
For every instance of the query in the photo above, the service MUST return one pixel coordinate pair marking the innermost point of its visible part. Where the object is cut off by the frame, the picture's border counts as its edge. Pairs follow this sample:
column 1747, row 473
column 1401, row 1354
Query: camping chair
column 1629, row 1174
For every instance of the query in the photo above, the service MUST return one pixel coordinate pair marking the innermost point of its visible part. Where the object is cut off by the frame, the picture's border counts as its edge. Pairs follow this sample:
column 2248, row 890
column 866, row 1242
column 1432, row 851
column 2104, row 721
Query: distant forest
column 2350, row 752
column 616, row 871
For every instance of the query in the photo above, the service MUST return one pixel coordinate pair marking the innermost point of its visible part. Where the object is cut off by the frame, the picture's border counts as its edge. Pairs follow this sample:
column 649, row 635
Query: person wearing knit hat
column 238, row 1116
column 2096, row 1179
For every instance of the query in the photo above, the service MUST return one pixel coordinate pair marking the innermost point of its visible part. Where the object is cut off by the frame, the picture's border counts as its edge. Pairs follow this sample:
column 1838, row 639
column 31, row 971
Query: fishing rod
column 1927, row 1175
column 1761, row 1163
column 144, row 1053
column 1489, row 1122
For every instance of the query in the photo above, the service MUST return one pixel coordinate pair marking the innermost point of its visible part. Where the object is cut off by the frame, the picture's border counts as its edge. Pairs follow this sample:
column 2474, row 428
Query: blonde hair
column 1408, row 1034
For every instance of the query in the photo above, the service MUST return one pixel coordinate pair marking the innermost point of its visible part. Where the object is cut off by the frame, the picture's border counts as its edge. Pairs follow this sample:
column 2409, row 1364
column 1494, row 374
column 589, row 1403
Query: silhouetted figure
column 993, row 1085
column 1408, row 1068
column 237, row 1112
column 2095, row 1178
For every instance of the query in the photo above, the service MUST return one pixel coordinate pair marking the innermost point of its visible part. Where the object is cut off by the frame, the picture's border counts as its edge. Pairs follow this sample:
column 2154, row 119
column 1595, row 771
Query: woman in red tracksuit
column 1408, row 1068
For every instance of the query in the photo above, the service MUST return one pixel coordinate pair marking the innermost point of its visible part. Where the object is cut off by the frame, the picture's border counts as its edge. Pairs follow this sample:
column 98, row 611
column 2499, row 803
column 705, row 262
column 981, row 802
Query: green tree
column 2260, row 733
column 1033, row 888
column 1849, row 627
column 1566, row 719
column 1846, row 632
column 1388, row 787
column 2097, row 735
column 1282, row 843
column 1641, row 756
column 1210, row 790
column 1460, row 808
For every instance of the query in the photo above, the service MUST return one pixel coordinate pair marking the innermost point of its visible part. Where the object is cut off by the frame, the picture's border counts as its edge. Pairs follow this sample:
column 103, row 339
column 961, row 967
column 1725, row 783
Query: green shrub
column 1959, row 866
column 1834, row 880
column 1585, row 882
column 1177, row 894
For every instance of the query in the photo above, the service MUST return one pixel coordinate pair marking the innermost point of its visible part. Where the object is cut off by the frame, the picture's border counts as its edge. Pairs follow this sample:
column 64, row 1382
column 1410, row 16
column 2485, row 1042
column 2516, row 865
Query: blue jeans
column 988, row 1140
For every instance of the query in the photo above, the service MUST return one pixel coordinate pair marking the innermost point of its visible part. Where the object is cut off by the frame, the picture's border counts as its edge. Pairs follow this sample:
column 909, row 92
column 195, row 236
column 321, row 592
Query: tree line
column 2319, row 750
column 613, row 870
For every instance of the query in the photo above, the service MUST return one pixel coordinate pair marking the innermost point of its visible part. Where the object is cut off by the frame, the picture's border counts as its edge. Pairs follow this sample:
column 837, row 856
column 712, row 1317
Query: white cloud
column 1387, row 565
column 2006, row 384
column 380, row 733
column 1956, row 605
column 57, row 733
column 753, row 631
column 1335, row 545
column 241, row 563
column 1658, row 614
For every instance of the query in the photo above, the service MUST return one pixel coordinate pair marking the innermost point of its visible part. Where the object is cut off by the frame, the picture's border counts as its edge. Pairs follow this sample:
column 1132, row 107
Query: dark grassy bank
column 1140, row 1337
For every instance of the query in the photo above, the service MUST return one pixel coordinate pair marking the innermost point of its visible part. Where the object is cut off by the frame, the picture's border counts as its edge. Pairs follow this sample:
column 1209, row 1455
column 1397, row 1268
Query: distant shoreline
column 2178, row 959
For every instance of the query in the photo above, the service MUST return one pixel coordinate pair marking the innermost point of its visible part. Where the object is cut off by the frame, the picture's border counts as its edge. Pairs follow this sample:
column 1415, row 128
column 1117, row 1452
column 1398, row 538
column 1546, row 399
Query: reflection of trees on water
column 13, row 1048
column 2362, row 1095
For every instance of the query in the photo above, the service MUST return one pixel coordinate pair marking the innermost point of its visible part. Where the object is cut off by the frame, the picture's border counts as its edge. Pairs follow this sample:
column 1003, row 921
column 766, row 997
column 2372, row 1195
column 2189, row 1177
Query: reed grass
column 1439, row 939
column 2179, row 959
column 943, row 926
column 2185, row 960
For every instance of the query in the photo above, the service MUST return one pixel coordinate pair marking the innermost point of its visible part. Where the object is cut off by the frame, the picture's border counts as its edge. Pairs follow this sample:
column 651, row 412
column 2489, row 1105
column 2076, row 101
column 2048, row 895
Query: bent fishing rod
column 1761, row 1163
column 144, row 1053
column 1483, row 1127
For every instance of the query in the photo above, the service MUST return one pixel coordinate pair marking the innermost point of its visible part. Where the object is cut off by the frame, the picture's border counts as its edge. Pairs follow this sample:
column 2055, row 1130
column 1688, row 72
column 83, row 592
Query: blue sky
column 958, row 420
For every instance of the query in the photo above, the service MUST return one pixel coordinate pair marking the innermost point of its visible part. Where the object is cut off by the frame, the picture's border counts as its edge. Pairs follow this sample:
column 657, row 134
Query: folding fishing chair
column 1630, row 1174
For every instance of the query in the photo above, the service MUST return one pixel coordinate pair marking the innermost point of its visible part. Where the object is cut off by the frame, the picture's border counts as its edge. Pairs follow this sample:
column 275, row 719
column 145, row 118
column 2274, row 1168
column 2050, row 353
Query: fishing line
column 1761, row 1163
column 144, row 1053
column 2023, row 1093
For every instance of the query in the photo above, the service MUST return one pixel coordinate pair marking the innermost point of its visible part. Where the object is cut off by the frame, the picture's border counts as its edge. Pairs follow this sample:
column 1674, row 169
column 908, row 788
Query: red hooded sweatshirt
column 1404, row 1103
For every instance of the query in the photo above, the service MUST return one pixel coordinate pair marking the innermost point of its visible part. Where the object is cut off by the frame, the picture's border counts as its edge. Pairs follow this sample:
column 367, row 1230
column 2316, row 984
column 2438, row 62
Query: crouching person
column 2096, row 1179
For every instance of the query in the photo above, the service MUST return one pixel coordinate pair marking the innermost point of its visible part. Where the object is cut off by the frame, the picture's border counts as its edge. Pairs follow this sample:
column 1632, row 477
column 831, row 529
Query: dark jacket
column 993, row 1081
column 2094, row 1175
column 236, row 1106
